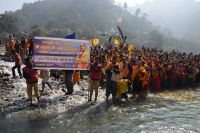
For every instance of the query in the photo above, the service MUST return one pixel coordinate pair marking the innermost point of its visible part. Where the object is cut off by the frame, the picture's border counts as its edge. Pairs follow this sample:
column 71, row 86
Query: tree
column 7, row 23
column 125, row 6
column 38, row 30
column 138, row 12
column 144, row 16
column 156, row 39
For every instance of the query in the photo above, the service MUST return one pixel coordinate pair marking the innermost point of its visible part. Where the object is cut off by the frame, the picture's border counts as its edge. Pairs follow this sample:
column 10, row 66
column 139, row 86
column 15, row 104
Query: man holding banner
column 61, row 54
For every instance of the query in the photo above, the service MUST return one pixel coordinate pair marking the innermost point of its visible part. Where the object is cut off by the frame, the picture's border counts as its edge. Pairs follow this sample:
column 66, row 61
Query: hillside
column 89, row 18
column 86, row 17
column 179, row 16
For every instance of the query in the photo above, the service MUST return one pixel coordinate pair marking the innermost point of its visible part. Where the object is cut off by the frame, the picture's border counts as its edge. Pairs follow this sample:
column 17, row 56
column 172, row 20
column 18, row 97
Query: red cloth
column 17, row 59
column 172, row 73
column 95, row 72
column 30, row 75
column 157, row 85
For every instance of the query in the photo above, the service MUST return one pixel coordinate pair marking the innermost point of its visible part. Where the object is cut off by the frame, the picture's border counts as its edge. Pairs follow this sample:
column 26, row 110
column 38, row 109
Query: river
column 177, row 111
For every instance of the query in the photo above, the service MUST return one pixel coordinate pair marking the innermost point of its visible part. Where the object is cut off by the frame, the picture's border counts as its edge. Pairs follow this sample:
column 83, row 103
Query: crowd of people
column 119, row 69
column 146, row 69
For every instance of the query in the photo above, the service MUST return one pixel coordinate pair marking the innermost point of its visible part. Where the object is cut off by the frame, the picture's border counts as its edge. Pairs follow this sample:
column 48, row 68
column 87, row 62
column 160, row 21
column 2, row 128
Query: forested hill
column 180, row 16
column 87, row 18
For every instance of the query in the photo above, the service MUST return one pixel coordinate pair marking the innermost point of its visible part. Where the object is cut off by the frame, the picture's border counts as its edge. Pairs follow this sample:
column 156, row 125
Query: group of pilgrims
column 117, row 69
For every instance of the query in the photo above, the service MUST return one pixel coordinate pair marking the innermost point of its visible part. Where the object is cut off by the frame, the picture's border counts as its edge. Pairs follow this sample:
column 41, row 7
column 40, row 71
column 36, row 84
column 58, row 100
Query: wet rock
column 85, row 77
column 12, row 86
column 63, row 90
column 82, row 94
column 62, row 99
column 23, row 98
column 7, row 100
column 6, row 74
column 15, row 103
column 9, row 85
column 6, row 79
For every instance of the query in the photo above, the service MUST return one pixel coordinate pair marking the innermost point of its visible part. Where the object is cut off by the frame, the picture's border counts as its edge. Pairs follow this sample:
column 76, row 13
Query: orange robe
column 11, row 45
column 27, row 45
column 136, row 69
column 76, row 77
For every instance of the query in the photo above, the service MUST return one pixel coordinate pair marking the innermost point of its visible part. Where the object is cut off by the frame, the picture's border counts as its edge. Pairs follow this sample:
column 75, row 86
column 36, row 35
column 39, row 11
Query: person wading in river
column 112, row 77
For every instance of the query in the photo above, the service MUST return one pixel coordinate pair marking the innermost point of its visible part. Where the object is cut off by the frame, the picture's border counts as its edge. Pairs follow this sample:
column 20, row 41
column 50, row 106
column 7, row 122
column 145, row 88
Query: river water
column 172, row 112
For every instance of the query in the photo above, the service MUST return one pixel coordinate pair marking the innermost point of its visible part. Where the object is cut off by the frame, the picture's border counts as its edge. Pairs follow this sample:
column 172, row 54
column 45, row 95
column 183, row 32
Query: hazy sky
column 133, row 2
column 13, row 5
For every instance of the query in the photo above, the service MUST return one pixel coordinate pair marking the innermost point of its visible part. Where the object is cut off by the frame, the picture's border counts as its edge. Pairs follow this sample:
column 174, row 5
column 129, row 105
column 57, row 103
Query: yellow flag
column 116, row 42
column 131, row 47
column 95, row 41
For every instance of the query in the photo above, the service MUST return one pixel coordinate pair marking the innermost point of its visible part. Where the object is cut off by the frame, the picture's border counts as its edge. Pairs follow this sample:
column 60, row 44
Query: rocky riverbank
column 13, row 97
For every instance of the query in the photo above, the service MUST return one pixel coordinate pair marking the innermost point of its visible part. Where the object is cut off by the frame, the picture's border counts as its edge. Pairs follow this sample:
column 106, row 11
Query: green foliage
column 156, row 39
column 7, row 25
column 39, row 30
column 88, row 18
